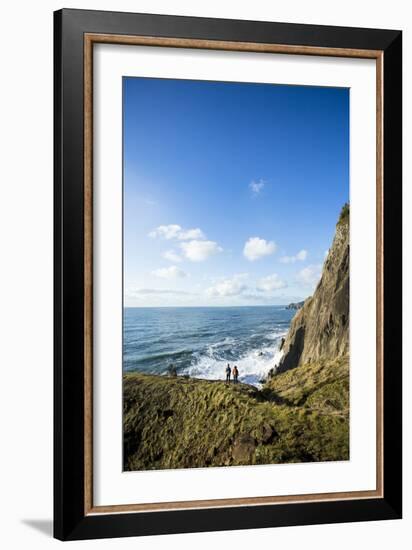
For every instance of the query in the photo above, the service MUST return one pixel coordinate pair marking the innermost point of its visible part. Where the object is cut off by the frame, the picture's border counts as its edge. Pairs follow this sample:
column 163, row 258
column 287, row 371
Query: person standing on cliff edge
column 235, row 374
column 228, row 371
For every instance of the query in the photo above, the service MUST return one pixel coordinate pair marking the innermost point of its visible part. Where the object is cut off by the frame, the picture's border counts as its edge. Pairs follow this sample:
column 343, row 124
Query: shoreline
column 192, row 378
column 265, row 360
column 298, row 416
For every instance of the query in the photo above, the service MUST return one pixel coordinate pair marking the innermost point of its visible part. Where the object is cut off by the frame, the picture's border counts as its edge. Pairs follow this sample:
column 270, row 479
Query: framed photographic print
column 227, row 274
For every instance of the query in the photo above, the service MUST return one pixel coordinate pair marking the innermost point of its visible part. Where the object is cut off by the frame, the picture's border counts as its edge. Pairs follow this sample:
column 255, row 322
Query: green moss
column 186, row 423
column 344, row 214
column 313, row 384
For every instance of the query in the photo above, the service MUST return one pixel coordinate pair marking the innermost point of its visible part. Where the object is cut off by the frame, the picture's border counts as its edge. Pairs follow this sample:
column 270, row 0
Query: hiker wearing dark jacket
column 228, row 371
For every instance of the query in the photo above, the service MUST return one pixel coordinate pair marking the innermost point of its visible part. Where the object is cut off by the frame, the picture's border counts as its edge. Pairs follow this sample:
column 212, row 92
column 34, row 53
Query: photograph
column 227, row 284
column 236, row 268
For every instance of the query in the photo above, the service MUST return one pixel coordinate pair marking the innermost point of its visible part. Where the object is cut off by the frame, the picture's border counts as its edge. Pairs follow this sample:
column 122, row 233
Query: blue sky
column 231, row 190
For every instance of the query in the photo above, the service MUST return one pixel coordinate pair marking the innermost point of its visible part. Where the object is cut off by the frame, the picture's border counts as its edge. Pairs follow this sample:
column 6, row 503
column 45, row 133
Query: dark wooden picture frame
column 75, row 516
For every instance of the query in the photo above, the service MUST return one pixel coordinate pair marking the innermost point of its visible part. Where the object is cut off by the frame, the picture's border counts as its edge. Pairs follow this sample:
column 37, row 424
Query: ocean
column 200, row 341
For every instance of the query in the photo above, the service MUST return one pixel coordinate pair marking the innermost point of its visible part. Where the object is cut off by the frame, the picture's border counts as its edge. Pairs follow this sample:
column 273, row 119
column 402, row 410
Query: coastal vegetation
column 174, row 422
column 299, row 414
column 344, row 214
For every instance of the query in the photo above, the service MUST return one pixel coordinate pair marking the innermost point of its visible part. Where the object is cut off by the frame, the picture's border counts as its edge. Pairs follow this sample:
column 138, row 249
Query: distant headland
column 295, row 305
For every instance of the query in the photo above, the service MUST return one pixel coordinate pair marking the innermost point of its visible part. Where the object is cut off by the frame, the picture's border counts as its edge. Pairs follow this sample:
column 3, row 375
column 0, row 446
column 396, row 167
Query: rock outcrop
column 320, row 329
column 295, row 305
column 299, row 415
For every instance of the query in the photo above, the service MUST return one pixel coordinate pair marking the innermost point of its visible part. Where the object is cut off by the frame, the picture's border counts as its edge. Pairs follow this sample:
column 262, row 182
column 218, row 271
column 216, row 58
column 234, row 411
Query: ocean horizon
column 200, row 341
column 211, row 307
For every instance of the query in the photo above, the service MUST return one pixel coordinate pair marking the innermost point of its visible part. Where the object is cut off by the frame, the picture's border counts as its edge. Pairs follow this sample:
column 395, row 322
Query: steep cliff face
column 299, row 415
column 320, row 329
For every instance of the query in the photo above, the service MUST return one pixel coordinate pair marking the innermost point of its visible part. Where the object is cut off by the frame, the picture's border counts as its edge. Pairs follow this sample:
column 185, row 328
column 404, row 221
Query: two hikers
column 235, row 373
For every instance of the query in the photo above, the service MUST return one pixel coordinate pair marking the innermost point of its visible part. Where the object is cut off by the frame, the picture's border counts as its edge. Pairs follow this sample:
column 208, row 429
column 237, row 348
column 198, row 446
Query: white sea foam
column 253, row 365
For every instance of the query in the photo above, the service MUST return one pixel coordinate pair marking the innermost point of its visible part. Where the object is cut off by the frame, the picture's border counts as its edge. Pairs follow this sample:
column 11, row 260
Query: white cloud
column 149, row 201
column 310, row 275
column 199, row 251
column 190, row 234
column 172, row 272
column 166, row 231
column 228, row 287
column 256, row 248
column 194, row 247
column 136, row 292
column 172, row 256
column 299, row 257
column 174, row 231
column 270, row 283
column 256, row 186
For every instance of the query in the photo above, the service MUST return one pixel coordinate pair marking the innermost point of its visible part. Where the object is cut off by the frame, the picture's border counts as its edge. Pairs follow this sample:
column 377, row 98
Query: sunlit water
column 201, row 341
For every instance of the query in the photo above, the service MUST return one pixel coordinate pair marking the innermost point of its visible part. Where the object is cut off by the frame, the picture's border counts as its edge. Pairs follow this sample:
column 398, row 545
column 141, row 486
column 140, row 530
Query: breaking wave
column 253, row 364
column 199, row 342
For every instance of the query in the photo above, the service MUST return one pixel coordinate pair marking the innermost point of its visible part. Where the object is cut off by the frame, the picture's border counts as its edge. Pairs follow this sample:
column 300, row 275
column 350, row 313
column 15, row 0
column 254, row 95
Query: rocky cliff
column 299, row 415
column 320, row 329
